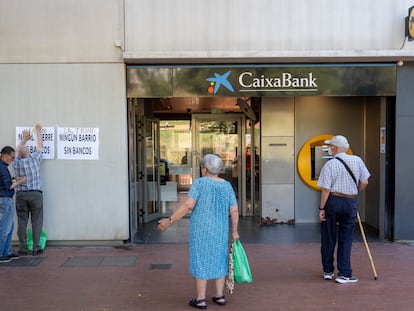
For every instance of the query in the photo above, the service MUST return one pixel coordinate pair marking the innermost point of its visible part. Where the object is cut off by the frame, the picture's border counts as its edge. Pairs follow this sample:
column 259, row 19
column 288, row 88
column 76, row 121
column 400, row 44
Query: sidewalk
column 155, row 277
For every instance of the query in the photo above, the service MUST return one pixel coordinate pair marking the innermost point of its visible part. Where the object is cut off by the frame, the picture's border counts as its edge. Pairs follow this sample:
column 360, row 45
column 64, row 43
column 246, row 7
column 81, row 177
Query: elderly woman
column 211, row 199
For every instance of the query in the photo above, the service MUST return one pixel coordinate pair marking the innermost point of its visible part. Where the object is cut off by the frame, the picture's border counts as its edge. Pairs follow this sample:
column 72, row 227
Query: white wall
column 83, row 199
column 50, row 31
column 181, row 26
column 277, row 158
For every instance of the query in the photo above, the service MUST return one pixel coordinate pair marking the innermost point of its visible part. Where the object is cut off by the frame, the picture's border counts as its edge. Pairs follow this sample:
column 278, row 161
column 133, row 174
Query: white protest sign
column 78, row 143
column 48, row 138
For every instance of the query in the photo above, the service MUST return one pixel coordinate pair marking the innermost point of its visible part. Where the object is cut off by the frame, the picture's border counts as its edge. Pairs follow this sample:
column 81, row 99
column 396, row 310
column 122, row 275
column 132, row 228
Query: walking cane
column 366, row 246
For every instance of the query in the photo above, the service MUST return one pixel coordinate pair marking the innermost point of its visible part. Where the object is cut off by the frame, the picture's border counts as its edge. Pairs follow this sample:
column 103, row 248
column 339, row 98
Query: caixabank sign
column 270, row 80
column 248, row 82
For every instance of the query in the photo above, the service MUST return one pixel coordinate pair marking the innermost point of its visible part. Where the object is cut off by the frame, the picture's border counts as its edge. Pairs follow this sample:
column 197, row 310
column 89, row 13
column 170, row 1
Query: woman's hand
column 163, row 224
column 235, row 236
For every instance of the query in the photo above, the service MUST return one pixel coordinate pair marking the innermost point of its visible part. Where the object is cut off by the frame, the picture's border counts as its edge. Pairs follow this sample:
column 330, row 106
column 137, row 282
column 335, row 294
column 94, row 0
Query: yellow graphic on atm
column 409, row 24
column 311, row 158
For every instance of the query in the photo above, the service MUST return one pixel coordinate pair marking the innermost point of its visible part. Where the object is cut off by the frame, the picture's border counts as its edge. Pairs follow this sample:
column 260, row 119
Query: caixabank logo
column 219, row 80
column 248, row 81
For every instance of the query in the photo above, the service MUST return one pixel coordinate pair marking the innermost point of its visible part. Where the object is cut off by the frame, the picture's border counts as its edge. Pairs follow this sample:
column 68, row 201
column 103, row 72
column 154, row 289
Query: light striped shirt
column 335, row 177
column 29, row 167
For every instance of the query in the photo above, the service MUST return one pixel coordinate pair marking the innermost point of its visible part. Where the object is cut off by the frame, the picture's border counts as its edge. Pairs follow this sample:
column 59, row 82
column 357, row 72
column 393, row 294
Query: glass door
column 152, row 168
column 221, row 134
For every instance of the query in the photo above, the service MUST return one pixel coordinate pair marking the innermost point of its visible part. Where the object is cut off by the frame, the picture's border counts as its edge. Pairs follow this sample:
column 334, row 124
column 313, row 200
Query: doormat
column 100, row 261
column 23, row 262
column 154, row 266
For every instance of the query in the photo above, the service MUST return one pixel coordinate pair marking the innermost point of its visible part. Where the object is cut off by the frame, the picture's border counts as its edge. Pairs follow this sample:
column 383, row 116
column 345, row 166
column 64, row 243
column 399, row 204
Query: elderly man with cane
column 338, row 208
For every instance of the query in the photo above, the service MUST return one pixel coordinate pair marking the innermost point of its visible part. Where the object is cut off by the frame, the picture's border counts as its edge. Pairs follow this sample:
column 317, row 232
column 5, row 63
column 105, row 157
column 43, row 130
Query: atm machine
column 319, row 156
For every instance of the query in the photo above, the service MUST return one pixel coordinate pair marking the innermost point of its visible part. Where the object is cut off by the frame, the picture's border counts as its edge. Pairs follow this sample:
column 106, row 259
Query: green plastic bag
column 242, row 273
column 29, row 240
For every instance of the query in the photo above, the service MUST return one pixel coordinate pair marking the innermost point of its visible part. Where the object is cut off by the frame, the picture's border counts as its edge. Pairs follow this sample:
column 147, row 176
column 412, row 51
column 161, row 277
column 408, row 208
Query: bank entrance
column 169, row 146
column 259, row 134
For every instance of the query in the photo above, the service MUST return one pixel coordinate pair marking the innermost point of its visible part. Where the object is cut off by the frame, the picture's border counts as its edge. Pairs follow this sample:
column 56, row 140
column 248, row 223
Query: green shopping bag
column 29, row 240
column 242, row 273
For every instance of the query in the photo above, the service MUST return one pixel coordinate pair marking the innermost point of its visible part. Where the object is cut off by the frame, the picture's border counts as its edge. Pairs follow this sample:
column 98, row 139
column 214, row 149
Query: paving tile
column 153, row 266
column 83, row 261
column 118, row 261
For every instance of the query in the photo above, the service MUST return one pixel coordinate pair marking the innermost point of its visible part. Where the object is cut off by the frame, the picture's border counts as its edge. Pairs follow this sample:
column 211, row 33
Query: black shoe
column 221, row 301
column 199, row 304
column 22, row 253
column 14, row 256
column 4, row 259
column 38, row 252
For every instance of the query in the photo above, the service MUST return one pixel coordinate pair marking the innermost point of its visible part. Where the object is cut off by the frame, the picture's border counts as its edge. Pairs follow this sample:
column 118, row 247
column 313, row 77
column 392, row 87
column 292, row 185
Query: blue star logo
column 219, row 80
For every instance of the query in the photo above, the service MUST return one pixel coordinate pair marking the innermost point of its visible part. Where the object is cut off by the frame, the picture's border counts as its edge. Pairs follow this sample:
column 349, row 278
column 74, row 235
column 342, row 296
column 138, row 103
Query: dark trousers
column 341, row 214
column 29, row 204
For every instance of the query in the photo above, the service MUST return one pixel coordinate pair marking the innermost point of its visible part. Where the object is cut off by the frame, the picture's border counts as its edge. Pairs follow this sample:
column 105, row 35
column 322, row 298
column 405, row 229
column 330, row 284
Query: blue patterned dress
column 209, row 228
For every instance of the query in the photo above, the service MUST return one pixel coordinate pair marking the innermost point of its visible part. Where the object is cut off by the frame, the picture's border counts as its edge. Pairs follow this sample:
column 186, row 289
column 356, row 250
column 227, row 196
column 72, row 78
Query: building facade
column 333, row 67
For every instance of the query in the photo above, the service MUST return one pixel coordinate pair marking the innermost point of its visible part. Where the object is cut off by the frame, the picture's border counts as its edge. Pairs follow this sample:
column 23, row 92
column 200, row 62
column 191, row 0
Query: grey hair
column 213, row 163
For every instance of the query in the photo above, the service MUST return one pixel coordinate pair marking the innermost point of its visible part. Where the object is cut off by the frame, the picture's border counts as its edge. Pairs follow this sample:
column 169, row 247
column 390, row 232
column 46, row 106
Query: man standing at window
column 29, row 196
